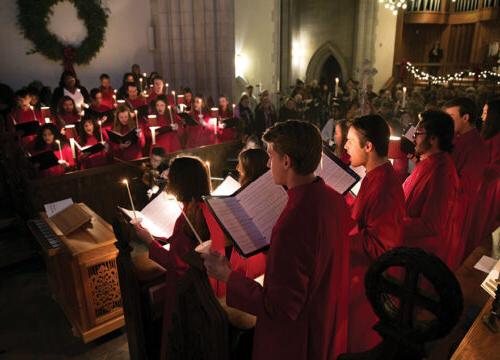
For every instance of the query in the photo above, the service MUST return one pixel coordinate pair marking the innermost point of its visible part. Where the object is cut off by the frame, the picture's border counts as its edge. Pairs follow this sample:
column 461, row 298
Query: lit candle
column 190, row 224
column 47, row 120
column 175, row 99
column 166, row 88
column 152, row 119
column 403, row 102
column 336, row 87
column 45, row 110
column 153, row 133
column 136, row 119
column 125, row 181
column 82, row 114
column 73, row 149
column 213, row 121
column 209, row 171
column 34, row 114
column 170, row 114
column 142, row 87
column 100, row 129
column 114, row 98
column 234, row 107
column 121, row 102
column 145, row 74
column 60, row 150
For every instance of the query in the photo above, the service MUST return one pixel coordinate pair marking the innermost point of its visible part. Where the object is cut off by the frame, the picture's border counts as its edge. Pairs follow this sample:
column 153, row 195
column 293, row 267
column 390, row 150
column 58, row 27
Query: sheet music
column 56, row 207
column 334, row 175
column 361, row 171
column 410, row 133
column 228, row 187
column 250, row 216
column 492, row 280
column 159, row 216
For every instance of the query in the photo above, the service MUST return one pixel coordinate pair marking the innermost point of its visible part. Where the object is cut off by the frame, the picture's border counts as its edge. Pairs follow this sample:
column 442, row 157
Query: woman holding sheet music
column 125, row 144
column 90, row 135
column 166, row 126
column 50, row 139
column 188, row 181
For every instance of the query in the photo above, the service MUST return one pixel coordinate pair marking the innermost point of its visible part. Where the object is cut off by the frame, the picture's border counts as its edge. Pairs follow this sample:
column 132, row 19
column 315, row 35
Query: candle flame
column 125, row 181
column 58, row 141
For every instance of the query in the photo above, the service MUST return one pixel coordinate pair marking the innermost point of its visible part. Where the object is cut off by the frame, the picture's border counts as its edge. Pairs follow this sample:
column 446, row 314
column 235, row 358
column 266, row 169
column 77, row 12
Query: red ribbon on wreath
column 69, row 59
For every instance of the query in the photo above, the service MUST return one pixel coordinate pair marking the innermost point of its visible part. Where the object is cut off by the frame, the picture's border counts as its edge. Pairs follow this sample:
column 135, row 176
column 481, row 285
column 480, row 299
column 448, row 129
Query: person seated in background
column 265, row 114
column 154, row 175
column 128, row 78
column 46, row 140
column 97, row 108
column 135, row 100
column 198, row 132
column 188, row 181
column 107, row 92
column 228, row 129
column 136, row 72
column 66, row 113
column 69, row 86
column 288, row 111
column 91, row 134
column 23, row 111
column 123, row 124
column 188, row 100
column 245, row 117
column 340, row 138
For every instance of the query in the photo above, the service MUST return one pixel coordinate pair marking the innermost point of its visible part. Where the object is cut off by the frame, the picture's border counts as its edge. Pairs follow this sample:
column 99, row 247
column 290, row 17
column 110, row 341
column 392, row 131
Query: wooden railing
column 425, row 5
column 451, row 6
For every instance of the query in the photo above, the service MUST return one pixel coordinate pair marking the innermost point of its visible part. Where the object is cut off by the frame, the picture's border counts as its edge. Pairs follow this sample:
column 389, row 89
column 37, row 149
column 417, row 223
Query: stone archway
column 319, row 59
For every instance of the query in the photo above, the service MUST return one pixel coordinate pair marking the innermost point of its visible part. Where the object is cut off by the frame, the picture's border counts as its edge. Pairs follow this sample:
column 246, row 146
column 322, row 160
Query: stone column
column 364, row 46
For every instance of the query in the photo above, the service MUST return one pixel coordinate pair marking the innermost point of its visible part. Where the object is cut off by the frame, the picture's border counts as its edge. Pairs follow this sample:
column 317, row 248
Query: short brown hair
column 188, row 179
column 253, row 164
column 300, row 140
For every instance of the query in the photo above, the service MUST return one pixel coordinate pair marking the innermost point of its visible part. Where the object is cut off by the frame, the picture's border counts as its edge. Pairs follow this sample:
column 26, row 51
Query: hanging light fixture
column 394, row 5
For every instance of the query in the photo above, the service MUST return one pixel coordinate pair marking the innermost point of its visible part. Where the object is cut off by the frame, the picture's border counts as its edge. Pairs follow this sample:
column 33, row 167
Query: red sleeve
column 216, row 234
column 159, row 254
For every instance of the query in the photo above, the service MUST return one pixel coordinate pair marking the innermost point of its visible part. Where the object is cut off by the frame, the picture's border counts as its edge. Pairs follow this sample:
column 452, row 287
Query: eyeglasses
column 417, row 133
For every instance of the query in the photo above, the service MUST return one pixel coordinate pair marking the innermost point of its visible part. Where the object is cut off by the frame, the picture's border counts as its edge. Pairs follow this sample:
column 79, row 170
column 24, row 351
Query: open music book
column 361, row 171
column 27, row 128
column 120, row 139
column 248, row 216
column 228, row 187
column 159, row 216
column 90, row 149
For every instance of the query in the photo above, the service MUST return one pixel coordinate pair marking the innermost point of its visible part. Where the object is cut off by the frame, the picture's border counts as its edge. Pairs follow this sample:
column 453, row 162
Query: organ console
column 82, row 273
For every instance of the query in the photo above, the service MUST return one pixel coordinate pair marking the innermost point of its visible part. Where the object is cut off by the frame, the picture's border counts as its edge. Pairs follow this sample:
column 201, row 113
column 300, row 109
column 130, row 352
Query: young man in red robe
column 432, row 189
column 301, row 309
column 470, row 158
column 134, row 99
column 378, row 212
column 108, row 93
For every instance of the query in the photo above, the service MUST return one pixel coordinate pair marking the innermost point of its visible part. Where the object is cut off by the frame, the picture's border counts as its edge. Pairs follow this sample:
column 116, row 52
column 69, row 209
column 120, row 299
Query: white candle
column 209, row 171
column 213, row 121
column 153, row 133
column 60, row 150
column 141, row 83
column 152, row 118
column 403, row 102
column 336, row 87
column 145, row 74
column 121, row 102
column 175, row 99
column 136, row 119
column 170, row 114
column 34, row 114
column 100, row 129
column 278, row 86
column 45, row 110
column 190, row 224
column 47, row 120
column 125, row 181
column 73, row 149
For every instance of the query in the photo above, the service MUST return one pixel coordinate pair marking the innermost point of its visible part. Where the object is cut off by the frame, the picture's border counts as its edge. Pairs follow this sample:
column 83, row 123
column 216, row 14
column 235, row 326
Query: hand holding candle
column 60, row 150
column 125, row 181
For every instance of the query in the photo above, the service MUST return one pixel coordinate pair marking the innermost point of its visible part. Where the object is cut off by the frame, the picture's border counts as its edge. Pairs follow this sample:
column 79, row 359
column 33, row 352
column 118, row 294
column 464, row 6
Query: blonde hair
column 117, row 125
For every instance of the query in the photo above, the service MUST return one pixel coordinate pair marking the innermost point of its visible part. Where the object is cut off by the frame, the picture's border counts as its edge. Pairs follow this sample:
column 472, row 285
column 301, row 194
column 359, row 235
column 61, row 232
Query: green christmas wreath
column 32, row 19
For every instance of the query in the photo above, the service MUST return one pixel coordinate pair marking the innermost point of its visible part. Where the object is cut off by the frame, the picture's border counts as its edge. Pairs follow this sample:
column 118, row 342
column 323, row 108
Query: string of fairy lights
column 443, row 79
column 394, row 5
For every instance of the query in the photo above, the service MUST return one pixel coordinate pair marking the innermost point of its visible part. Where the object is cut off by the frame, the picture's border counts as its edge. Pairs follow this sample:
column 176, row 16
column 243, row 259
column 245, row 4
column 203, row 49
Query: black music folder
column 27, row 128
column 45, row 160
column 118, row 138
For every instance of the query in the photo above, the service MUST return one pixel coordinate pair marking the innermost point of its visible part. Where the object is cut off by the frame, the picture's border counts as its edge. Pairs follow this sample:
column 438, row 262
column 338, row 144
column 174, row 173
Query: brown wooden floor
column 32, row 326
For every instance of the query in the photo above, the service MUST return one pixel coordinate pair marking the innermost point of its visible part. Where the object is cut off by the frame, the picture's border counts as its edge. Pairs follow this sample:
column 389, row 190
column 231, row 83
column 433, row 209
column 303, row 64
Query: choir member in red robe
column 107, row 91
column 169, row 140
column 378, row 212
column 91, row 134
column 46, row 139
column 97, row 109
column 159, row 89
column 486, row 217
column 123, row 123
column 128, row 78
column 432, row 190
column 134, row 99
column 188, row 182
column 340, row 138
column 470, row 161
column 199, row 134
column 22, row 113
column 226, row 113
column 66, row 112
column 188, row 100
column 301, row 309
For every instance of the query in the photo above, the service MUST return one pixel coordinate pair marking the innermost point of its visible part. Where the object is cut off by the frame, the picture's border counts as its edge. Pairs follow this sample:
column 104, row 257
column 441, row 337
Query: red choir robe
column 302, row 308
column 469, row 156
column 107, row 98
column 136, row 103
column 227, row 134
column 345, row 158
column 486, row 217
column 68, row 119
column 378, row 212
column 169, row 141
column 98, row 159
column 67, row 155
column 171, row 260
column 99, row 110
column 133, row 152
column 431, row 201
column 153, row 96
column 19, row 116
column 198, row 135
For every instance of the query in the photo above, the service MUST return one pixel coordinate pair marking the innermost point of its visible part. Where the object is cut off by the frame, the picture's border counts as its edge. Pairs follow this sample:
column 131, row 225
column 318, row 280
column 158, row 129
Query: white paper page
column 485, row 264
column 228, row 187
column 334, row 175
column 410, row 133
column 160, row 215
column 263, row 201
column 56, row 207
column 238, row 224
column 361, row 171
column 490, row 283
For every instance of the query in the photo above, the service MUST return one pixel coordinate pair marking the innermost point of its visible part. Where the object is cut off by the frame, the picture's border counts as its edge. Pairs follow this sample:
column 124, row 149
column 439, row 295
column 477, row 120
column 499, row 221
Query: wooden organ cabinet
column 83, row 275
